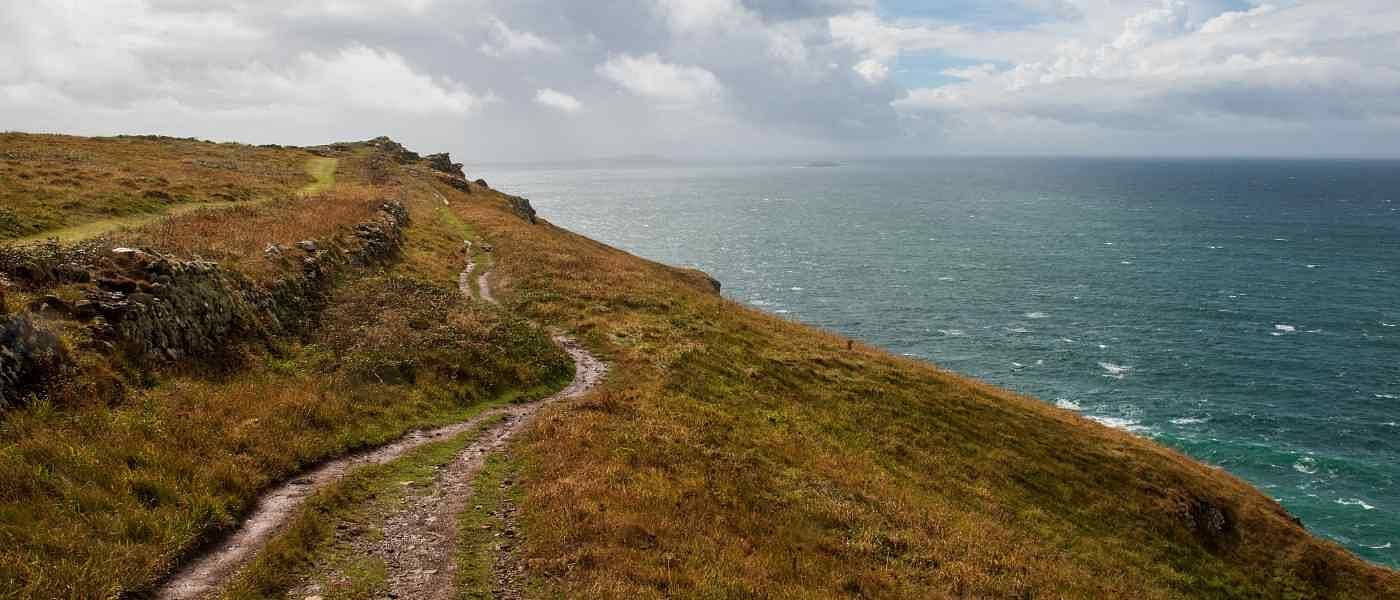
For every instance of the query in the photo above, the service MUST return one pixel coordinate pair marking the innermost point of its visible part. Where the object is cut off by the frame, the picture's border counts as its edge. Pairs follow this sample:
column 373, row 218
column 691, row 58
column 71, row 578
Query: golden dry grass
column 731, row 454
column 51, row 182
column 734, row 454
column 100, row 500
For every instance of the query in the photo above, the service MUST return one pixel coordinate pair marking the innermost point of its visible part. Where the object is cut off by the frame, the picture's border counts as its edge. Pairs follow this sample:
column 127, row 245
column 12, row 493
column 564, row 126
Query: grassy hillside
column 121, row 463
column 730, row 454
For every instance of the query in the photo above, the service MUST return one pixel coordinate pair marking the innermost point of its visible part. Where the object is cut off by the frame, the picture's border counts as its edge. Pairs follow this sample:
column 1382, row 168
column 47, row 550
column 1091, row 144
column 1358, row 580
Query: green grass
column 356, row 503
column 105, row 486
column 100, row 227
column 479, row 526
column 322, row 172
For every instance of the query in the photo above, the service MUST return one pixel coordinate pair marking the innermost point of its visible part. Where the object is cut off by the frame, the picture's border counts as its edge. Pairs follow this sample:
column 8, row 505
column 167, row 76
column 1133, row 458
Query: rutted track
column 431, row 517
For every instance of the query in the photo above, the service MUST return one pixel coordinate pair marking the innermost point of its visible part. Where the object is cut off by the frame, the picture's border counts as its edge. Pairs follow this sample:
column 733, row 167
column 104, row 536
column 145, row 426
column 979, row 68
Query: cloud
column 716, row 77
column 871, row 70
column 503, row 41
column 651, row 77
column 558, row 100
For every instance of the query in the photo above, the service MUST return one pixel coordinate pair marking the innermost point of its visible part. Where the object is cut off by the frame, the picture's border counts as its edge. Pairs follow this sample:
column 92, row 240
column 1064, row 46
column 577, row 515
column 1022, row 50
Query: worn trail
column 419, row 539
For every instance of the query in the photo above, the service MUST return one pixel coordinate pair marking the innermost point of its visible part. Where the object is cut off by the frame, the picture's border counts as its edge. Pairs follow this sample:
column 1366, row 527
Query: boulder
column 307, row 245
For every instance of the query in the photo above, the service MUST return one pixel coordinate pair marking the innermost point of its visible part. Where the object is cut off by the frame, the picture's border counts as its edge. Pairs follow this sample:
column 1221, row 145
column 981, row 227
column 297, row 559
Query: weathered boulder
column 442, row 162
column 482, row 183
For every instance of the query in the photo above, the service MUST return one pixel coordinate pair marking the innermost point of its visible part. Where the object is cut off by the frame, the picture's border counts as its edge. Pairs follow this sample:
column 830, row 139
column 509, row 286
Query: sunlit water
column 1246, row 312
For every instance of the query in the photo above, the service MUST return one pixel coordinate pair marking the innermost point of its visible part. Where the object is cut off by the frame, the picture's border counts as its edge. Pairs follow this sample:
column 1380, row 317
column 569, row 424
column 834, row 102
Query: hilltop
column 212, row 323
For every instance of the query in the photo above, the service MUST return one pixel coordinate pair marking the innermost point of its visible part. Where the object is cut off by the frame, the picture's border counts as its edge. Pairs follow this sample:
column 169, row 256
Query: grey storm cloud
column 523, row 79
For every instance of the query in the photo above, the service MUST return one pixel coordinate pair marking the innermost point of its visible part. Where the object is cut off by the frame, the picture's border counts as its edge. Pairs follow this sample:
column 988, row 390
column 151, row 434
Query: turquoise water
column 1246, row 312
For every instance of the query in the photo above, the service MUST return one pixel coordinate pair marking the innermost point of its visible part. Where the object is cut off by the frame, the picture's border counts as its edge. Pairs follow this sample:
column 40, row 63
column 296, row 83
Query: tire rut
column 422, row 535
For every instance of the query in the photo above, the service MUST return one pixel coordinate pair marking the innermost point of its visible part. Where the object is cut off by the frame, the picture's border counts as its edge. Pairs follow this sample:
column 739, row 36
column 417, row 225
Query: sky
column 520, row 80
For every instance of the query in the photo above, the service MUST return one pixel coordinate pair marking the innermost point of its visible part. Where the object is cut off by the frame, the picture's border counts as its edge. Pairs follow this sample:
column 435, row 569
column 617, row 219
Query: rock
column 307, row 245
column 442, row 162
column 122, row 284
column 482, row 183
column 51, row 302
column 85, row 310
column 521, row 207
column 485, row 247
column 30, row 357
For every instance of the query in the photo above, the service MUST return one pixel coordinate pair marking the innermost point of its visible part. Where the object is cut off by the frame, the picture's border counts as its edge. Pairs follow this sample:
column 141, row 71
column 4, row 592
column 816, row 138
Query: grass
column 308, row 545
column 735, row 454
column 102, row 497
column 322, row 172
column 52, row 184
column 479, row 528
column 729, row 454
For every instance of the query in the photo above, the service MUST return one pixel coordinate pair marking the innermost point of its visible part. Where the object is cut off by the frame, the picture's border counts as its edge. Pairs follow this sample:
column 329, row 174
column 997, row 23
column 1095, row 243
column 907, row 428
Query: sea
column 1246, row 312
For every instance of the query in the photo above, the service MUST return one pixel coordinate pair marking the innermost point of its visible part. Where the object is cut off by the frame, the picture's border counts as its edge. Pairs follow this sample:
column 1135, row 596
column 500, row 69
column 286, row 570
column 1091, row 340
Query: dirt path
column 419, row 540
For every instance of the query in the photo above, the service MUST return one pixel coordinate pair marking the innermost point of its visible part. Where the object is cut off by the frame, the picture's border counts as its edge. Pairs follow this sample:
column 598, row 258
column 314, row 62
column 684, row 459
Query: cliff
column 157, row 375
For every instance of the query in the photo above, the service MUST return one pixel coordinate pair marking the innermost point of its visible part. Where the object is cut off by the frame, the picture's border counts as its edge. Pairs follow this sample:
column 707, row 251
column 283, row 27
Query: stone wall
column 157, row 308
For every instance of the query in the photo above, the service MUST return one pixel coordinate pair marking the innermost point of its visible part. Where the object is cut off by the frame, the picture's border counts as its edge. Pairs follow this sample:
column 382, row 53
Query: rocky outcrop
column 442, row 163
column 521, row 207
column 396, row 150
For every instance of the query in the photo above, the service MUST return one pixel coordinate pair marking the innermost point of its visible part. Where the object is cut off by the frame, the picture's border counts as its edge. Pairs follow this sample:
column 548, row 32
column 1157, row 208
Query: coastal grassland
column 734, row 454
column 102, row 497
column 322, row 172
column 308, row 547
column 71, row 188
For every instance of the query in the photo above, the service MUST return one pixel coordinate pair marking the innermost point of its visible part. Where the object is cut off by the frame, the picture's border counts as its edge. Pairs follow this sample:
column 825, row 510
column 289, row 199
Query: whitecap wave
column 1384, row 324
column 1385, row 546
column 1018, row 330
column 1284, row 329
column 1125, row 424
column 1037, row 315
column 1306, row 465
column 952, row 332
column 1115, row 371
column 1388, row 396
column 1356, row 502
column 1190, row 420
column 795, row 289
column 1068, row 404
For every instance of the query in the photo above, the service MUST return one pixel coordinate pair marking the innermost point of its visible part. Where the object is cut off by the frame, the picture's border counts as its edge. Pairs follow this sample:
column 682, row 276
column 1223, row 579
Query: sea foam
column 1356, row 502
column 1115, row 371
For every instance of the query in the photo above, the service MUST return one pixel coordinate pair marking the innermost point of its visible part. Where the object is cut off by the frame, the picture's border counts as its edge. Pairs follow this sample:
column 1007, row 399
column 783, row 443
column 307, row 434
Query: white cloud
column 1226, row 21
column 652, row 77
column 882, row 40
column 558, row 100
column 503, row 41
column 871, row 70
column 699, row 15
